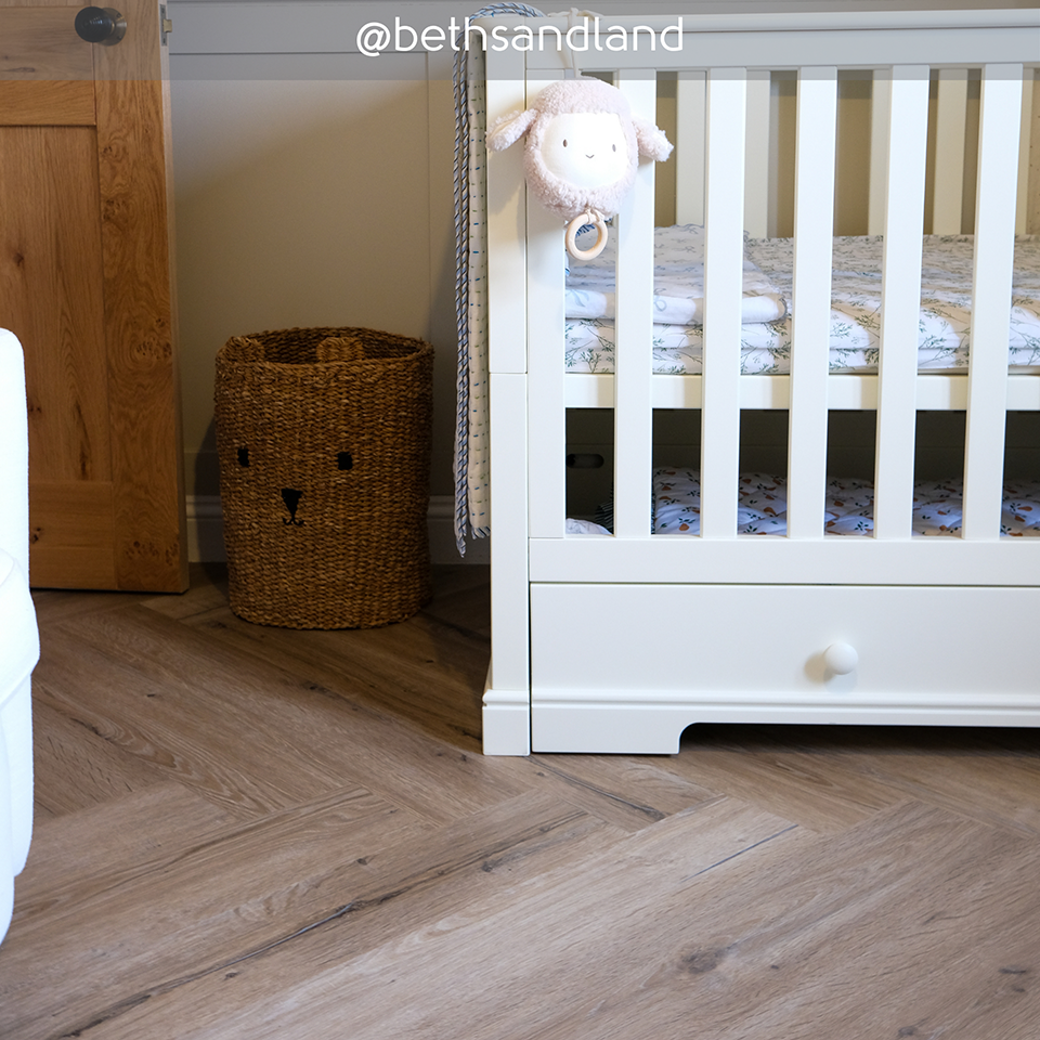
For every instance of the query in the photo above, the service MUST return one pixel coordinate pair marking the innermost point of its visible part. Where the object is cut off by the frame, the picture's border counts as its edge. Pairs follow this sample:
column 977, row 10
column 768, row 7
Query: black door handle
column 100, row 25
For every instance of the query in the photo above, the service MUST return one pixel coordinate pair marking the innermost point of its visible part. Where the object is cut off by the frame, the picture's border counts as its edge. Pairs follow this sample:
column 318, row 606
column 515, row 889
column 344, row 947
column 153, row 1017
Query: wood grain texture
column 85, row 282
column 42, row 44
column 52, row 293
column 253, row 832
column 36, row 103
column 70, row 533
column 133, row 162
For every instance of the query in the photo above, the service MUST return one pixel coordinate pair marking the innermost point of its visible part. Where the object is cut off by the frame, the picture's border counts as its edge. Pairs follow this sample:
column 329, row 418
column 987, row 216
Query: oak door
column 85, row 284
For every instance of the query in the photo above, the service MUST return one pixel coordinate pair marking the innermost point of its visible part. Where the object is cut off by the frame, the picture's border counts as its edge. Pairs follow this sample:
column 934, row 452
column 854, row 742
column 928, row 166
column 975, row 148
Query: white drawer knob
column 841, row 658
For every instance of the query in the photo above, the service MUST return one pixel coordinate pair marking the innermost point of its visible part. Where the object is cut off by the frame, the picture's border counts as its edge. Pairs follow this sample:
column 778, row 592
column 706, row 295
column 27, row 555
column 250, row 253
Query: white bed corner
column 578, row 620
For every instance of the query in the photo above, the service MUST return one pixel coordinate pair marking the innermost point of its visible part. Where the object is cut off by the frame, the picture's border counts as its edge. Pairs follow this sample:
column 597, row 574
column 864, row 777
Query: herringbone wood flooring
column 254, row 832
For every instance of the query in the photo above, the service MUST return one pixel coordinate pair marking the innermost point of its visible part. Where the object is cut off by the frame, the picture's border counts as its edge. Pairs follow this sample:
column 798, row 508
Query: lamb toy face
column 582, row 150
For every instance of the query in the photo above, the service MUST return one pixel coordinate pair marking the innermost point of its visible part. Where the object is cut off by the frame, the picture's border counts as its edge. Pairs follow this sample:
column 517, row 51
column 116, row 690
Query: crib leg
column 507, row 722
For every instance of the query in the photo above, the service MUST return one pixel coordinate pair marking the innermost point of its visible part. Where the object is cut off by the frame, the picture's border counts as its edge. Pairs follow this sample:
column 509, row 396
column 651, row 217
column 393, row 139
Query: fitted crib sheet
column 945, row 323
column 848, row 509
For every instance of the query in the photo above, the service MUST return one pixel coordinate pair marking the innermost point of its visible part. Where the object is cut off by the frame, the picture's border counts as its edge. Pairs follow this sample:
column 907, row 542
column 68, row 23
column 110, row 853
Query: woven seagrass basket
column 324, row 443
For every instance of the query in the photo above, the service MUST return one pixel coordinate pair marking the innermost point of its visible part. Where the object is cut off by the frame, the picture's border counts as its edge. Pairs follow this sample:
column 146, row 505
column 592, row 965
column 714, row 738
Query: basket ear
column 242, row 348
column 503, row 132
column 341, row 348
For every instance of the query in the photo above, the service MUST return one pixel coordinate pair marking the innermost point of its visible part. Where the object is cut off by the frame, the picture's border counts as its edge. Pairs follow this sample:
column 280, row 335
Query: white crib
column 617, row 644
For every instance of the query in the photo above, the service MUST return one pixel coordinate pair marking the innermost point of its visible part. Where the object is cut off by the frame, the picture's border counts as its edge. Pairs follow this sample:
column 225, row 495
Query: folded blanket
column 765, row 347
column 678, row 282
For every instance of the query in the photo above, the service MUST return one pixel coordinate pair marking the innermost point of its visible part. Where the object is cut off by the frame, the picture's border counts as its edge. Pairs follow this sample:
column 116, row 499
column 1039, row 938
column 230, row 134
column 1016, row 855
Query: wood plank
column 971, row 774
column 161, row 718
column 53, row 293
column 631, row 792
column 77, row 768
column 763, row 934
column 70, row 537
column 491, row 903
column 40, row 43
column 806, row 784
column 806, row 772
column 353, row 664
column 47, row 103
column 502, row 945
column 358, row 878
column 136, row 231
column 209, row 686
column 154, row 823
column 86, row 271
column 223, row 895
column 832, row 944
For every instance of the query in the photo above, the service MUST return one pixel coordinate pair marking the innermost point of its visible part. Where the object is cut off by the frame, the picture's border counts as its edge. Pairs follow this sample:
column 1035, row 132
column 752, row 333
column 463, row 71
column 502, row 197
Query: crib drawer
column 785, row 654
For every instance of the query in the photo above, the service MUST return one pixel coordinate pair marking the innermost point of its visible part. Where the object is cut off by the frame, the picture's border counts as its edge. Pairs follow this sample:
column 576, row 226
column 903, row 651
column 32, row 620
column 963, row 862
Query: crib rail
column 726, row 73
column 723, row 99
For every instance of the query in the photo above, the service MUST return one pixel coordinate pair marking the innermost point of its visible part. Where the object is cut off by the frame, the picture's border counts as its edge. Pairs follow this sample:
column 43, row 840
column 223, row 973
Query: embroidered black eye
column 565, row 142
column 243, row 456
column 345, row 460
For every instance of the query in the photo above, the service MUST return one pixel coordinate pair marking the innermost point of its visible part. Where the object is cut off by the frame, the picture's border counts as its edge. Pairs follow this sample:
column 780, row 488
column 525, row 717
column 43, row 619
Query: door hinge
column 165, row 25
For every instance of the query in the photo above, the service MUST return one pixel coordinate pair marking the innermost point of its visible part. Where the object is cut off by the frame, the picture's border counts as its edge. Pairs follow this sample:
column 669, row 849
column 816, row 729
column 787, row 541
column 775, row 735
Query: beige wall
column 309, row 203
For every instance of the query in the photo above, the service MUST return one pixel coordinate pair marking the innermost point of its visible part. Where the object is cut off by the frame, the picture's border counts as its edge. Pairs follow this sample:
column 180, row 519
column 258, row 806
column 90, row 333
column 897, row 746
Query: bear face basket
column 323, row 436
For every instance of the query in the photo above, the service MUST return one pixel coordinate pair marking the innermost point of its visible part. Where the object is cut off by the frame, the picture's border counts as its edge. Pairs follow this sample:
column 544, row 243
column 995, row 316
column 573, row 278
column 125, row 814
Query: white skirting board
column 206, row 532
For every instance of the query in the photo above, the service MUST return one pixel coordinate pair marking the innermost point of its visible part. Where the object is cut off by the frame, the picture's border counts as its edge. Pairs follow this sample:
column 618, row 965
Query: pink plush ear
column 504, row 131
column 652, row 142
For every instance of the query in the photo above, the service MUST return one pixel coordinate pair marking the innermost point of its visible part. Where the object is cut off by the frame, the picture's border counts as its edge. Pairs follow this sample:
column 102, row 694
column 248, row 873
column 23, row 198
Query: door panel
column 85, row 283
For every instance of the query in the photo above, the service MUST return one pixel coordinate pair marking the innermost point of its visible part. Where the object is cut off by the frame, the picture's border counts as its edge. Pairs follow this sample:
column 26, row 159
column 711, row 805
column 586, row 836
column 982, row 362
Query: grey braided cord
column 460, row 78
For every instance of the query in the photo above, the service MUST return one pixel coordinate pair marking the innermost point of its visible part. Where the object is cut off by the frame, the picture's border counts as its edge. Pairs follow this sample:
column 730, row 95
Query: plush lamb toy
column 583, row 147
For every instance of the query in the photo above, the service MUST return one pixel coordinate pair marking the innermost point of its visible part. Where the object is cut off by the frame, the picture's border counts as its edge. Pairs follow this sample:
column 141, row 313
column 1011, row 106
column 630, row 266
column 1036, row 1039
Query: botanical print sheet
column 945, row 323
column 678, row 281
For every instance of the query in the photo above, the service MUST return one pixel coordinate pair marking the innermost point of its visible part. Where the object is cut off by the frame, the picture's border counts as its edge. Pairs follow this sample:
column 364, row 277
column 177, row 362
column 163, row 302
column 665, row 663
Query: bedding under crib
column 848, row 506
column 767, row 307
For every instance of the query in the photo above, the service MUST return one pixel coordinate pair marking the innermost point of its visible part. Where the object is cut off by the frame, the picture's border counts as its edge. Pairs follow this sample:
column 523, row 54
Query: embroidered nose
column 291, row 497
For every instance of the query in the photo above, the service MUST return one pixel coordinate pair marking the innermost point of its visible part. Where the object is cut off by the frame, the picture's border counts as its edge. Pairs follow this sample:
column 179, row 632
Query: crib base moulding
column 642, row 727
column 506, row 721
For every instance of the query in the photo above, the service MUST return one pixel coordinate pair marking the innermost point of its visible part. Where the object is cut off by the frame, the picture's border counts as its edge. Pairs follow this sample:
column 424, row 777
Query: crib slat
column 901, row 302
column 950, row 119
column 506, row 202
column 509, row 557
column 633, row 407
column 723, row 268
column 547, row 433
column 756, row 154
column 689, row 155
column 813, row 237
column 999, row 125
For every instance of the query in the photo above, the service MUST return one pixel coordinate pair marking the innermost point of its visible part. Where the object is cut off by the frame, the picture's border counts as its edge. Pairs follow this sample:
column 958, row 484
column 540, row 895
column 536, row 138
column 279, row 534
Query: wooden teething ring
column 590, row 217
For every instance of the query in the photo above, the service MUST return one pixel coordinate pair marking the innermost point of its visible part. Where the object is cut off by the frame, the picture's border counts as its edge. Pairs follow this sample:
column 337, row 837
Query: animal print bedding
column 849, row 506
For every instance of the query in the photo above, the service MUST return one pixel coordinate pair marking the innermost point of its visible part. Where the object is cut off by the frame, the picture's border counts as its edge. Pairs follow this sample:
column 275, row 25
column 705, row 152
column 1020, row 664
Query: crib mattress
column 945, row 326
column 849, row 506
